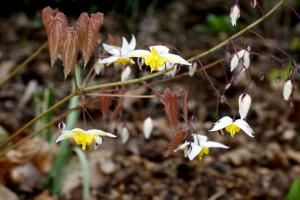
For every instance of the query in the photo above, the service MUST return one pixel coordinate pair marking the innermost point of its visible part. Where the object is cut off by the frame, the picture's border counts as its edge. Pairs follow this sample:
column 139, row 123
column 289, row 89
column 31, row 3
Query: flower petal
column 148, row 127
column 100, row 133
column 98, row 139
column 160, row 49
column 244, row 104
column 199, row 139
column 140, row 53
column 287, row 89
column 125, row 76
column 196, row 149
column 222, row 123
column 64, row 135
column 109, row 60
column 172, row 58
column 132, row 44
column 244, row 126
column 125, row 47
column 113, row 50
column 215, row 144
column 182, row 146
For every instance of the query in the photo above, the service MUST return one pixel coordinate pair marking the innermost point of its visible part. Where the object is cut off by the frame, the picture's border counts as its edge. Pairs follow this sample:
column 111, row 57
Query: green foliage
column 295, row 44
column 294, row 192
column 85, row 172
column 215, row 23
column 282, row 74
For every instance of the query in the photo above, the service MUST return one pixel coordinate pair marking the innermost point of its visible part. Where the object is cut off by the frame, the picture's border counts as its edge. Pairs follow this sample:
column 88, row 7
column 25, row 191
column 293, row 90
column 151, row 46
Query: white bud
column 253, row 3
column 98, row 67
column 234, row 14
column 244, row 104
column 192, row 69
column 287, row 89
column 124, row 135
column 241, row 58
column 126, row 74
column 148, row 127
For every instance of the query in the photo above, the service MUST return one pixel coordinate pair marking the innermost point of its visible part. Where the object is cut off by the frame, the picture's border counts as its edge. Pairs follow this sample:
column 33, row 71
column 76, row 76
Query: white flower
column 120, row 55
column 233, row 127
column 125, row 76
column 241, row 58
column 158, row 56
column 124, row 135
column 287, row 89
column 148, row 127
column 234, row 14
column 199, row 146
column 99, row 67
column 193, row 68
column 83, row 137
column 244, row 104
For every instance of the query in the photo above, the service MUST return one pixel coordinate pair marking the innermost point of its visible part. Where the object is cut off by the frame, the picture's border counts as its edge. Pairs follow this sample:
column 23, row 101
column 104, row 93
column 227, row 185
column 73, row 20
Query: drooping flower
column 83, row 137
column 119, row 55
column 158, row 56
column 241, row 58
column 126, row 74
column 198, row 146
column 287, row 89
column 98, row 67
column 244, row 104
column 234, row 14
column 124, row 135
column 148, row 127
column 193, row 68
column 232, row 127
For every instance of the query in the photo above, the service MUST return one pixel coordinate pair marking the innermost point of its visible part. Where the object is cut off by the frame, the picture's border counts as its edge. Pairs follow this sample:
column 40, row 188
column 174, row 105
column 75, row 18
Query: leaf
column 171, row 106
column 69, row 49
column 55, row 23
column 184, row 104
column 105, row 103
column 88, row 31
column 294, row 192
column 180, row 136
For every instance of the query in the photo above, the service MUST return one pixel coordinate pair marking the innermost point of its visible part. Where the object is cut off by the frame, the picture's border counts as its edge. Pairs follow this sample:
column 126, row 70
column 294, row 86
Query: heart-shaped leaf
column 55, row 23
column 88, row 31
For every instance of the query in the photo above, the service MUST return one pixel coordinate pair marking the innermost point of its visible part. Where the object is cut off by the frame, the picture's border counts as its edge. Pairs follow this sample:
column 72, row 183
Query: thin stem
column 122, row 95
column 23, row 64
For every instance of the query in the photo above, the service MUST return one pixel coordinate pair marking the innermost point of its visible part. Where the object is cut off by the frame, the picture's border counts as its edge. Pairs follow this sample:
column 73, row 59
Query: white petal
column 125, row 47
column 109, row 60
column 139, row 53
column 244, row 126
column 98, row 67
column 172, row 58
column 124, row 135
column 148, row 127
column 244, row 104
column 100, row 133
column 113, row 50
column 196, row 149
column 160, row 49
column 222, row 123
column 199, row 139
column 182, row 146
column 246, row 60
column 125, row 76
column 64, row 135
column 193, row 69
column 98, row 139
column 287, row 89
column 215, row 144
column 236, row 59
column 234, row 14
column 132, row 44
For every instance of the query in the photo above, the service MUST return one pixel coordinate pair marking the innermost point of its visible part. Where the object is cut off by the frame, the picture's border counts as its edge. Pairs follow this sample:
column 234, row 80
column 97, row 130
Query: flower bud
column 148, row 127
column 98, row 67
column 140, row 62
column 61, row 126
column 287, row 89
column 125, row 74
column 244, row 104
column 124, row 135
column 234, row 14
column 193, row 68
column 253, row 3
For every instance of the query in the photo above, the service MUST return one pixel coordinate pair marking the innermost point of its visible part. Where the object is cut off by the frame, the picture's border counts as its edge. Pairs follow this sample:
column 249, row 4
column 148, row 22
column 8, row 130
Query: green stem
column 23, row 64
column 142, row 79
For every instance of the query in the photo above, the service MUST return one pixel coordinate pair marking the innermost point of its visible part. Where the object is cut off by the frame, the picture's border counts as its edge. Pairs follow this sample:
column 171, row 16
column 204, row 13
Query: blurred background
column 264, row 167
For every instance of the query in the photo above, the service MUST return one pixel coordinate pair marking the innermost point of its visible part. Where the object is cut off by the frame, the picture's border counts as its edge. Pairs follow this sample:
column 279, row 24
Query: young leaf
column 55, row 23
column 69, row 49
column 171, row 106
column 105, row 102
column 88, row 31
column 180, row 136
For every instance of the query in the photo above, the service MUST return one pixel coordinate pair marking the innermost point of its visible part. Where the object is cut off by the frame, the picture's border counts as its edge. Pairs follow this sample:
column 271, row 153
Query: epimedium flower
column 148, row 127
column 119, row 55
column 241, row 58
column 158, row 56
column 234, row 14
column 232, row 126
column 244, row 104
column 83, row 137
column 199, row 146
column 287, row 89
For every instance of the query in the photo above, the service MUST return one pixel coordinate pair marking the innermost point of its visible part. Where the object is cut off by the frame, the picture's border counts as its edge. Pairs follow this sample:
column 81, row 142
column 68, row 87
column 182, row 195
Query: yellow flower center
column 154, row 60
column 83, row 139
column 232, row 129
column 124, row 61
column 204, row 151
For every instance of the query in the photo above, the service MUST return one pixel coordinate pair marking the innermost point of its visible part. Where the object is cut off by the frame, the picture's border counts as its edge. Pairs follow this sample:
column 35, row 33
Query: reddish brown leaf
column 69, row 49
column 55, row 23
column 105, row 103
column 171, row 106
column 180, row 136
column 184, row 104
column 88, row 31
column 119, row 107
